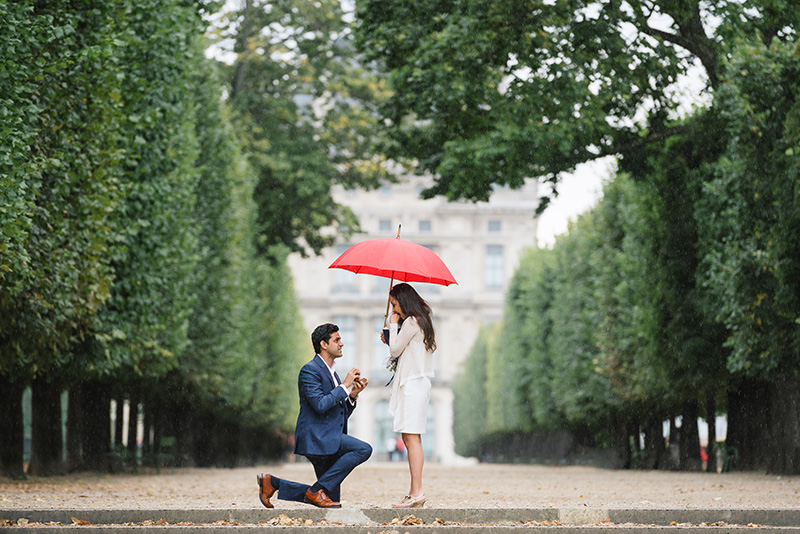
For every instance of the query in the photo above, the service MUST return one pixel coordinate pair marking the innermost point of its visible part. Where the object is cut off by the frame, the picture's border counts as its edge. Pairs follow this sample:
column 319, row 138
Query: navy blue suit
column 321, row 432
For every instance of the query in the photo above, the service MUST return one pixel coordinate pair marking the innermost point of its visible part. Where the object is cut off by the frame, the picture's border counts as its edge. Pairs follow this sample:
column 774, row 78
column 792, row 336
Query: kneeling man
column 326, row 402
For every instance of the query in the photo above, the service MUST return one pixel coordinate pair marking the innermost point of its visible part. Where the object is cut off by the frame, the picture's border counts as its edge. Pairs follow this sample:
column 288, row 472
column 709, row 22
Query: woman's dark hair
column 322, row 333
column 415, row 306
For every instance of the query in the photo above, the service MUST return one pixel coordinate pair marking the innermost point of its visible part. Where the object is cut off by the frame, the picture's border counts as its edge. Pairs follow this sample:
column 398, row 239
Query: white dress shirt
column 332, row 369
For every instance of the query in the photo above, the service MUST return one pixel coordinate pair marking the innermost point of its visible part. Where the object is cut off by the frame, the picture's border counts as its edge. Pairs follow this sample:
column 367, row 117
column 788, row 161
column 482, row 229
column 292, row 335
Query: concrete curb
column 591, row 518
column 391, row 529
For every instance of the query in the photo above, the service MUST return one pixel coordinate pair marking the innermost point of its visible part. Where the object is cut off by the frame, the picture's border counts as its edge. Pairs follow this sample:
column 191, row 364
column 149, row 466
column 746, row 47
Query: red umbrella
column 396, row 259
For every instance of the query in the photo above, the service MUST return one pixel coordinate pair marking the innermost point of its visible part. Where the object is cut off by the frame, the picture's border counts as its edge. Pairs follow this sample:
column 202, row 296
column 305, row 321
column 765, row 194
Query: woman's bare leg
column 416, row 458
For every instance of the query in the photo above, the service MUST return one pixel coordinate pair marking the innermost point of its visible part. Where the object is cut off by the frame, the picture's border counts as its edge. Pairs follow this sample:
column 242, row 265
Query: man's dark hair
column 322, row 333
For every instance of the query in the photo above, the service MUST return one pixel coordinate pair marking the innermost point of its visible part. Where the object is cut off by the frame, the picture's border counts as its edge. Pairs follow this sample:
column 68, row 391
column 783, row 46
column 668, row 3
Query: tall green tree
column 750, row 214
column 128, row 254
column 143, row 326
column 61, row 109
column 589, row 406
column 304, row 109
column 145, row 323
column 519, row 373
column 470, row 417
column 493, row 92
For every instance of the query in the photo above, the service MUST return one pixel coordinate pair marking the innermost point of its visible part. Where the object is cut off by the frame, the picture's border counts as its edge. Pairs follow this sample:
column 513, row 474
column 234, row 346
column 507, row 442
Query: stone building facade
column 479, row 242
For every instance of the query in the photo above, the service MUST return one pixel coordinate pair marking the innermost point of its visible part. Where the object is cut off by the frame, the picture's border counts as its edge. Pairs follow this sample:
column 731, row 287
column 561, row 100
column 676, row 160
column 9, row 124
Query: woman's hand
column 395, row 318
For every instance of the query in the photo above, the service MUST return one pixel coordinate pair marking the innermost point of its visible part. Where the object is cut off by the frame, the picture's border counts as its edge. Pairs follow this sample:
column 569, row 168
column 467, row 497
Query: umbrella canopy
column 397, row 259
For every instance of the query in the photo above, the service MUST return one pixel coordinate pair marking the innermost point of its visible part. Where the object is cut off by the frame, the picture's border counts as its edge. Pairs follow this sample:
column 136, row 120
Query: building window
column 494, row 227
column 347, row 329
column 425, row 227
column 384, row 226
column 343, row 281
column 493, row 267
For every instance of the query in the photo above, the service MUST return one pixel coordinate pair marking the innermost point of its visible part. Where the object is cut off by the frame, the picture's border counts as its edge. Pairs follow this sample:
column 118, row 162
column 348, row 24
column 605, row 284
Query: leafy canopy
column 492, row 92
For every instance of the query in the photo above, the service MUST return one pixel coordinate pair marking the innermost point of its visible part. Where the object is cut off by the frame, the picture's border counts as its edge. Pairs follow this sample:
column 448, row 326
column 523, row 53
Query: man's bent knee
column 365, row 451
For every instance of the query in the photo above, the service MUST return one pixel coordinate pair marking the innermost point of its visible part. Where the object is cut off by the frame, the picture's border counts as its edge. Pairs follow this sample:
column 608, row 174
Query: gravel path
column 377, row 485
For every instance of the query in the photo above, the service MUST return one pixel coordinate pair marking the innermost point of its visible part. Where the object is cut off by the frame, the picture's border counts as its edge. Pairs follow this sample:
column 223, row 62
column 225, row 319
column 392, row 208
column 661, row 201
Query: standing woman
column 412, row 346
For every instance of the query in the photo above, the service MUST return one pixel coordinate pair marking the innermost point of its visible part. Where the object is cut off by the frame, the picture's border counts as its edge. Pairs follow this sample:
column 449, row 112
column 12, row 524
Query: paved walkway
column 377, row 485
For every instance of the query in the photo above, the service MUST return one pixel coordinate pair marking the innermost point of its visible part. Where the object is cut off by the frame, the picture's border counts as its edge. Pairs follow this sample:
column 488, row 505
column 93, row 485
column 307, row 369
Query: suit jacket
column 324, row 409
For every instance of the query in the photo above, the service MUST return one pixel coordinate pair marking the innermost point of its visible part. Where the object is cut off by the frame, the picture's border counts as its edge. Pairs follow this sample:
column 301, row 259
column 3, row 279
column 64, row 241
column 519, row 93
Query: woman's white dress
column 411, row 387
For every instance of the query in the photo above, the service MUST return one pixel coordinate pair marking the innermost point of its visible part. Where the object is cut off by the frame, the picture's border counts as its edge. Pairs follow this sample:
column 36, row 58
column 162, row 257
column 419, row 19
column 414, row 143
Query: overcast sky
column 578, row 193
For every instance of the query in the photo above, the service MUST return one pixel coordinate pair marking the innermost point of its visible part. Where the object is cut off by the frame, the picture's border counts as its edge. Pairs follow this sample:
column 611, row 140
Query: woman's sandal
column 411, row 502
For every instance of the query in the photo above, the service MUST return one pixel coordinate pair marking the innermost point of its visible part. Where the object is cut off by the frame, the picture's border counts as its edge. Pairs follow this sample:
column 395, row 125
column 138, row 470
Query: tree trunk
column 748, row 421
column 711, row 422
column 12, row 437
column 133, row 427
column 75, row 429
column 229, row 444
column 97, row 426
column 653, row 444
column 784, row 452
column 629, row 434
column 672, row 454
column 622, row 429
column 119, row 423
column 158, row 431
column 711, row 418
column 46, row 433
column 148, row 450
column 182, row 424
column 202, row 449
column 690, row 439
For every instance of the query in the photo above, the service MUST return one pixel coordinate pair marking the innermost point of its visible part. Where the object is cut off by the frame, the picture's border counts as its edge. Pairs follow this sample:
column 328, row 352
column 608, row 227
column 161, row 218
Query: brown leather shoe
column 321, row 499
column 266, row 490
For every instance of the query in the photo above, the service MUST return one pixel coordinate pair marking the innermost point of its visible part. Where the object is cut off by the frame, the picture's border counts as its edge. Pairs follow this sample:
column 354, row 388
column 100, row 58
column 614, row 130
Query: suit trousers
column 331, row 470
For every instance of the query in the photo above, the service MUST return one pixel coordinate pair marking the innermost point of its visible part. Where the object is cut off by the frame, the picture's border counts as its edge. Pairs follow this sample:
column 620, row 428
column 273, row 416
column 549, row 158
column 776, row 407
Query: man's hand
column 358, row 386
column 352, row 375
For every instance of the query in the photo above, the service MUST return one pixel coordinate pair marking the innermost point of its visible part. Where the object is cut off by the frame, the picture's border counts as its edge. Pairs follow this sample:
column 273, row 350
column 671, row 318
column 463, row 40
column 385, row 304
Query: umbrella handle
column 391, row 283
column 388, row 302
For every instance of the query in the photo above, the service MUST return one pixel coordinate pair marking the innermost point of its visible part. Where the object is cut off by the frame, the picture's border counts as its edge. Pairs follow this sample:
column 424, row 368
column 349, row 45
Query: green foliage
column 470, row 395
column 681, row 281
column 127, row 218
column 750, row 212
column 303, row 109
column 495, row 91
column 546, row 374
column 279, row 346
column 576, row 315
column 59, row 174
column 247, row 343
column 624, row 294
column 144, row 324
column 687, row 270
column 519, row 374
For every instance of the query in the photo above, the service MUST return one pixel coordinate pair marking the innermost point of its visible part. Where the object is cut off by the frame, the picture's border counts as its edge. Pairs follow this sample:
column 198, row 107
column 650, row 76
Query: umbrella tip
column 398, row 229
